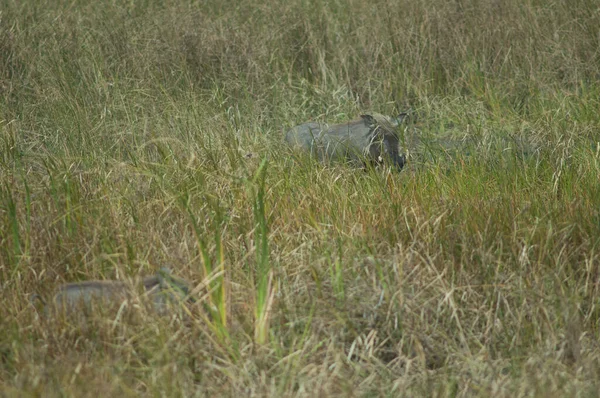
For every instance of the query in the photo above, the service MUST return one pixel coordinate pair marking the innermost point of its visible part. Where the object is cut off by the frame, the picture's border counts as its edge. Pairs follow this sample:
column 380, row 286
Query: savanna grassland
column 142, row 134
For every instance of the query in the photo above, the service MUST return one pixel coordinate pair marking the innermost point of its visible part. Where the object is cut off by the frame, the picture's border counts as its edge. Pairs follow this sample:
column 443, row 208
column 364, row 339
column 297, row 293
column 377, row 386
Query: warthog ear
column 369, row 119
column 397, row 121
column 37, row 301
column 164, row 277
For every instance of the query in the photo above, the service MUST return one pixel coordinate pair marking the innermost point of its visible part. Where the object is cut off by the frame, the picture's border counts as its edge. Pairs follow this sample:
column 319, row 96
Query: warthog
column 373, row 138
column 162, row 289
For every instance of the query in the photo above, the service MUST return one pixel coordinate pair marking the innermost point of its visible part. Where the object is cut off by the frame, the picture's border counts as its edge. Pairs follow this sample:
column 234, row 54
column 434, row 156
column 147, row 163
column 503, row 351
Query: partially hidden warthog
column 161, row 289
column 371, row 139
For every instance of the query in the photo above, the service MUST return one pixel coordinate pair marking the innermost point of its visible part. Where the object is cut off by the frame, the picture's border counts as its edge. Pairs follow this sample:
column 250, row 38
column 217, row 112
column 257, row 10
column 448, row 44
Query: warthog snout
column 161, row 289
column 372, row 138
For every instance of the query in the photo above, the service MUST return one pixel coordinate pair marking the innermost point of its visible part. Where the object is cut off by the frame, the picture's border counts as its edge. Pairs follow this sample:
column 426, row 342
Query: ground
column 140, row 135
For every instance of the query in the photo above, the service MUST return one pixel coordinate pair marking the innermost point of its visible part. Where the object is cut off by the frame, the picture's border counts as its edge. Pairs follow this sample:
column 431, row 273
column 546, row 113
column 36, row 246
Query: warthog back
column 372, row 138
column 162, row 289
column 82, row 296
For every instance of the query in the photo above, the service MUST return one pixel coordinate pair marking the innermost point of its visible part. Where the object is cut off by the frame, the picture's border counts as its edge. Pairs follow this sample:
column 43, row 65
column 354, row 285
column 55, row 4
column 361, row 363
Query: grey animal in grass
column 373, row 138
column 162, row 289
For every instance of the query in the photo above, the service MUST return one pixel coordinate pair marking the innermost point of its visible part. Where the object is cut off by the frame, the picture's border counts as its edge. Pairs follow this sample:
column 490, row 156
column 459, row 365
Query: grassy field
column 142, row 134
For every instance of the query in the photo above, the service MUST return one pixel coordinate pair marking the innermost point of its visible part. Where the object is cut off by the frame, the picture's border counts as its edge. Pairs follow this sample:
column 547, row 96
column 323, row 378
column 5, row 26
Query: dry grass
column 149, row 135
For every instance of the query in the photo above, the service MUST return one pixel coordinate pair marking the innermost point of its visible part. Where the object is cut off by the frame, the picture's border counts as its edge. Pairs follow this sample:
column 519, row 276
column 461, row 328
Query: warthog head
column 373, row 138
column 161, row 289
column 384, row 130
column 171, row 289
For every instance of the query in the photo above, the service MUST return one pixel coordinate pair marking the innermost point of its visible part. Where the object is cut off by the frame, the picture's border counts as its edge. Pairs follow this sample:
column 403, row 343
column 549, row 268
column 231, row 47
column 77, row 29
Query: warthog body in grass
column 371, row 139
column 161, row 289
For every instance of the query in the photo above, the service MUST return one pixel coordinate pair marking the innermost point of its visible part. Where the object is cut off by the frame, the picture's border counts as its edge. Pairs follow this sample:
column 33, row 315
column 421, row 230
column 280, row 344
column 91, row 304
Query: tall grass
column 265, row 290
column 135, row 136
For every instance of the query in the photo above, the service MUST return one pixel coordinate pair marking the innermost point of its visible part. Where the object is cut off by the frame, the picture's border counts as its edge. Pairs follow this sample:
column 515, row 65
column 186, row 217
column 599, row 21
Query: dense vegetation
column 142, row 134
